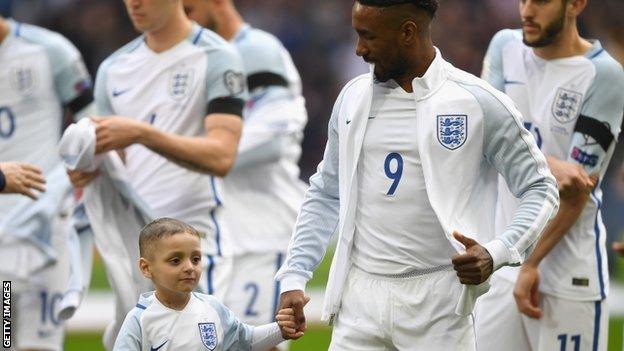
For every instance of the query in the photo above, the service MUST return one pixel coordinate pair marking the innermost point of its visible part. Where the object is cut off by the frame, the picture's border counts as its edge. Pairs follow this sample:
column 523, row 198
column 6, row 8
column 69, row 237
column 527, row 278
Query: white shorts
column 217, row 276
column 254, row 294
column 36, row 324
column 567, row 325
column 415, row 313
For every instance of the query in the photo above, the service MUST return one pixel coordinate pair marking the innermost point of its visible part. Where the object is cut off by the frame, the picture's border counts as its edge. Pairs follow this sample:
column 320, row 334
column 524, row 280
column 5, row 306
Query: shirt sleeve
column 226, row 82
column 492, row 71
column 265, row 337
column 511, row 150
column 318, row 216
column 598, row 125
column 103, row 105
column 71, row 80
column 129, row 337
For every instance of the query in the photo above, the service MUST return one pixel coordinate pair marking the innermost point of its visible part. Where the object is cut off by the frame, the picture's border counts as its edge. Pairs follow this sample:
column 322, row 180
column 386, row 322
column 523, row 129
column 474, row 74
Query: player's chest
column 150, row 85
column 25, row 80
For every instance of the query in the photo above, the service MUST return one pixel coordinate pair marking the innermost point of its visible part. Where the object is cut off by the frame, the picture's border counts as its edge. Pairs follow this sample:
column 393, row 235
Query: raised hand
column 476, row 265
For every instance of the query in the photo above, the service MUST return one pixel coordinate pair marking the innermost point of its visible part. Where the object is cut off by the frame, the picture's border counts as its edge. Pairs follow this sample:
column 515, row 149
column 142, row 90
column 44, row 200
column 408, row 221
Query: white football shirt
column 573, row 106
column 396, row 229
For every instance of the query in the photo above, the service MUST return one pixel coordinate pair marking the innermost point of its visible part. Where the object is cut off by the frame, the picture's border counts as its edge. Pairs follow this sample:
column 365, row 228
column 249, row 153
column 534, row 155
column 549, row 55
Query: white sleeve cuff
column 499, row 252
column 291, row 281
column 265, row 337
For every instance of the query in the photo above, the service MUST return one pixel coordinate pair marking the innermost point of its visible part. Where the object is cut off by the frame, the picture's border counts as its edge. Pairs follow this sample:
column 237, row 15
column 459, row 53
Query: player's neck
column 4, row 29
column 173, row 32
column 423, row 59
column 569, row 44
column 229, row 24
column 174, row 300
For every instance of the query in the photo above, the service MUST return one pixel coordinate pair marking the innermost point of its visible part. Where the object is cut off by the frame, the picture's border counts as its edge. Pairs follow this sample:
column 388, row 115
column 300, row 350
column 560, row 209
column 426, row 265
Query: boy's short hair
column 160, row 228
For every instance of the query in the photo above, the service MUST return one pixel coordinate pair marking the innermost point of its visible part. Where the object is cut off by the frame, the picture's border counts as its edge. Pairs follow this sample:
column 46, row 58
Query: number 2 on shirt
column 396, row 175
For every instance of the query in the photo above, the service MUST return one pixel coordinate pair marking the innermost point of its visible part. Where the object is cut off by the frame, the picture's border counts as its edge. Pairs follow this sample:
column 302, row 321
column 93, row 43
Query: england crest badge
column 24, row 80
column 567, row 105
column 208, row 333
column 452, row 130
column 180, row 83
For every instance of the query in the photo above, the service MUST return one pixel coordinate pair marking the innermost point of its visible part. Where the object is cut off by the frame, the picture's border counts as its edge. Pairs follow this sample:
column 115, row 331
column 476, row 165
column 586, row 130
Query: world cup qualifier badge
column 234, row 81
column 452, row 130
column 208, row 334
column 567, row 105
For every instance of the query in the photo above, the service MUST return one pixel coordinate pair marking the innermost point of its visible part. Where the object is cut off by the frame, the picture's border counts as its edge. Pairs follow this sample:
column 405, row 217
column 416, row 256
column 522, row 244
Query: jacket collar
column 432, row 79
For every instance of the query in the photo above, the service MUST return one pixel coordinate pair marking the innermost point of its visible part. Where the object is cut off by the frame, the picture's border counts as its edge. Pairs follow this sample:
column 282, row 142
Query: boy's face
column 174, row 265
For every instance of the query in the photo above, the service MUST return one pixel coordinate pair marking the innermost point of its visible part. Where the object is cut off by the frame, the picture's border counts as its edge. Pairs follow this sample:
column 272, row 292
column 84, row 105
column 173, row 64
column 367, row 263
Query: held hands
column 22, row 178
column 526, row 291
column 476, row 265
column 290, row 317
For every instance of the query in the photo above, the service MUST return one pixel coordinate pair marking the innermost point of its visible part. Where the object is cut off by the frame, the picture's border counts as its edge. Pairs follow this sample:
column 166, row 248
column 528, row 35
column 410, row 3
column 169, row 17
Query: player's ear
column 576, row 6
column 145, row 268
column 409, row 32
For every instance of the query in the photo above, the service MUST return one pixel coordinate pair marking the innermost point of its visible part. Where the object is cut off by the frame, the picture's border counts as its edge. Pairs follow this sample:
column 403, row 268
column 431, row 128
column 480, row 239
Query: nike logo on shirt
column 158, row 347
column 509, row 82
column 371, row 117
column 116, row 93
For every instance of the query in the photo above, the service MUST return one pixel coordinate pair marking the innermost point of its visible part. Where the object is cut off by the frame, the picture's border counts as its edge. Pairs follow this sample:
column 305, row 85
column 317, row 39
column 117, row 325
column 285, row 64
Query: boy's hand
column 286, row 321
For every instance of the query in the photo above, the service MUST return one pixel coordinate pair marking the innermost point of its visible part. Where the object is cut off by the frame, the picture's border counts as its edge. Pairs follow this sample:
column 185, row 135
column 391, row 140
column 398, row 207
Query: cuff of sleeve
column 290, row 282
column 2, row 181
column 499, row 252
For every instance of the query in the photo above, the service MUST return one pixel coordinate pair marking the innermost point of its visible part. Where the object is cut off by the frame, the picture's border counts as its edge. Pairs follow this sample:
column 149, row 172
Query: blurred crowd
column 319, row 36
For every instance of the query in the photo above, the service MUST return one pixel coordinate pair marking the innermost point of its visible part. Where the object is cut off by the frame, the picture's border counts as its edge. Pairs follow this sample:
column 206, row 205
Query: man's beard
column 550, row 32
column 397, row 70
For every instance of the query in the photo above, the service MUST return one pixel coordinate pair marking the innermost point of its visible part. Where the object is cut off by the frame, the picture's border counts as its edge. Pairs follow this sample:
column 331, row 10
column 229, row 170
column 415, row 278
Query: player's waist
column 411, row 274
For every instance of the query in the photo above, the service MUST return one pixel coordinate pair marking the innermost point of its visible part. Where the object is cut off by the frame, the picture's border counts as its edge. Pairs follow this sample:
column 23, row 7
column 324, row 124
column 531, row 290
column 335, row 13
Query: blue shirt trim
column 598, row 307
column 598, row 255
column 197, row 36
column 140, row 306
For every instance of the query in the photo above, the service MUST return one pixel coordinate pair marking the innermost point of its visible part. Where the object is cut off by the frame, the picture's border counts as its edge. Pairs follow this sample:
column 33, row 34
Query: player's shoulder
column 57, row 46
column 505, row 36
column 209, row 41
column 257, row 42
column 609, row 71
column 113, row 58
column 488, row 97
column 208, row 300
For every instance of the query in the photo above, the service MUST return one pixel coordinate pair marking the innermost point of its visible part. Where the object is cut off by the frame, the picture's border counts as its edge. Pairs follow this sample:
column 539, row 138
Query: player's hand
column 476, row 265
column 81, row 179
column 618, row 247
column 22, row 178
column 115, row 133
column 286, row 320
column 296, row 300
column 526, row 291
column 571, row 178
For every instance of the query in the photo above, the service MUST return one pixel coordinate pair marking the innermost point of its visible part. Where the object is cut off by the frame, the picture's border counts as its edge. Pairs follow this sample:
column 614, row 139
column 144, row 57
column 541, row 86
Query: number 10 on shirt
column 396, row 174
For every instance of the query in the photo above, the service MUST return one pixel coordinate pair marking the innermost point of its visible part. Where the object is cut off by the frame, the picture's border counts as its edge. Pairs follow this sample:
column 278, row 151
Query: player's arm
column 492, row 71
column 510, row 148
column 316, row 223
column 214, row 153
column 129, row 337
column 269, row 129
column 21, row 178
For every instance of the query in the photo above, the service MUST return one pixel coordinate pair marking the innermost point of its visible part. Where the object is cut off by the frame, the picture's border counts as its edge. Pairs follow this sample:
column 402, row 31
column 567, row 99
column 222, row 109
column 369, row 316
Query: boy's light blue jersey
column 204, row 324
column 573, row 106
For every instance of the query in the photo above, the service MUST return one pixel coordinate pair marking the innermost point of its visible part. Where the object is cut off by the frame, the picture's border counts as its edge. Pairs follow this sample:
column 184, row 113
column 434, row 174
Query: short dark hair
column 160, row 228
column 429, row 6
